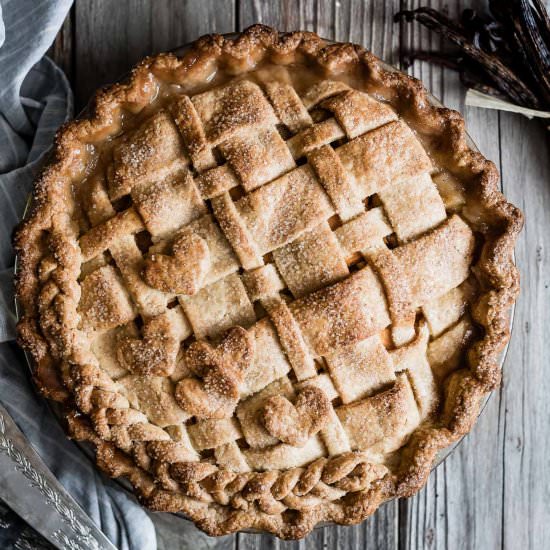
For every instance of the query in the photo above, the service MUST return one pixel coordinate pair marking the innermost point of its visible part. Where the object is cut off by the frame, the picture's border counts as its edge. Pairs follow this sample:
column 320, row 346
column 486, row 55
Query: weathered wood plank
column 173, row 532
column 178, row 23
column 287, row 16
column 62, row 51
column 368, row 23
column 459, row 508
column 490, row 468
column 523, row 420
column 321, row 17
column 282, row 16
column 112, row 36
column 371, row 25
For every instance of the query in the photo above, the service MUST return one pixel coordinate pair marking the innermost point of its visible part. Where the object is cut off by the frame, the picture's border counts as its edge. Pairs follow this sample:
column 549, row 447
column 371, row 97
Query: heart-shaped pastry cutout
column 296, row 423
column 155, row 353
column 183, row 272
column 220, row 371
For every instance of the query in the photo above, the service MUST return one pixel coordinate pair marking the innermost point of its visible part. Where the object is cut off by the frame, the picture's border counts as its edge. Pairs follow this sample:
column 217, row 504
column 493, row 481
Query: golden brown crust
column 344, row 489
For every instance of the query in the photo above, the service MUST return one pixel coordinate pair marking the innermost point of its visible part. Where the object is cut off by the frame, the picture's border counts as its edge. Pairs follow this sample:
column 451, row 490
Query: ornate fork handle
column 32, row 491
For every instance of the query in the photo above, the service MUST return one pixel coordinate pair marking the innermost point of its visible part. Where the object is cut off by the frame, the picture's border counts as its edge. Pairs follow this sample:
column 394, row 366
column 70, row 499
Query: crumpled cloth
column 35, row 99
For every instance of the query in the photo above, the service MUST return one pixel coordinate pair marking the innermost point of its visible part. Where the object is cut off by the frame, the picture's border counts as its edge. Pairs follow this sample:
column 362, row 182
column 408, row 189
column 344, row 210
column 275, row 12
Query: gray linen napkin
column 35, row 98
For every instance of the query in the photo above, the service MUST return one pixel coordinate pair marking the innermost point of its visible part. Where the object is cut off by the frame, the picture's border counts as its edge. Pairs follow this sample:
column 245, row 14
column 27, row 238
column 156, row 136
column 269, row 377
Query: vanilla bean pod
column 538, row 50
column 505, row 54
column 521, row 24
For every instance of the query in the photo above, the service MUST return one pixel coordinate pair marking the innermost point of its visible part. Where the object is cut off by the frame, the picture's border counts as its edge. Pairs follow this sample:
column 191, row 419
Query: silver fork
column 31, row 490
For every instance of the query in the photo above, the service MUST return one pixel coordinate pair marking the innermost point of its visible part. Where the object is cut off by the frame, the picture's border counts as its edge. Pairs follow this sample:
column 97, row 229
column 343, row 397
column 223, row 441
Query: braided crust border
column 218, row 501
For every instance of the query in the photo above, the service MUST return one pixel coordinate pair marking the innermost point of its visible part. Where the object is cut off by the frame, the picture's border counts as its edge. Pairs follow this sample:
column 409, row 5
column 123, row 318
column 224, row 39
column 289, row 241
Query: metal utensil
column 31, row 490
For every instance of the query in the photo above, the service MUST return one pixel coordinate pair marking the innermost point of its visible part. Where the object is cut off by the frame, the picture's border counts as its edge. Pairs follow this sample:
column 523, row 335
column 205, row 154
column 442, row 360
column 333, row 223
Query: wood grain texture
column 368, row 23
column 525, row 410
column 61, row 51
column 490, row 492
column 113, row 35
column 110, row 36
column 494, row 490
column 464, row 495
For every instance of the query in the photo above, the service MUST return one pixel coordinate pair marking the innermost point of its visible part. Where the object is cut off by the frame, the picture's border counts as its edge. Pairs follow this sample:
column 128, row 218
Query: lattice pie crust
column 268, row 280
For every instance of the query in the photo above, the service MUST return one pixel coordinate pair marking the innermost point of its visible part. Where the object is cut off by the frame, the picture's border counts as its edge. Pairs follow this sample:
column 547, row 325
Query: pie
column 268, row 280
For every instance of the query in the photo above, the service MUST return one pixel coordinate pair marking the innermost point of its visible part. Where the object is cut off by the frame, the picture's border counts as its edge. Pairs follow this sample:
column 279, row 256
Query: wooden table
column 494, row 491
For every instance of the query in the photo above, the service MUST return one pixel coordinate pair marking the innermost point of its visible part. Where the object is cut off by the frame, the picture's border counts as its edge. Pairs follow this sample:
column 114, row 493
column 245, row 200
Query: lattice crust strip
column 266, row 270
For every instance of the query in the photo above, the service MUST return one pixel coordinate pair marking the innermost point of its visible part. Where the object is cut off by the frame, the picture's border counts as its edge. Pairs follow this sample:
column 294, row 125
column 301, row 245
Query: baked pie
column 269, row 280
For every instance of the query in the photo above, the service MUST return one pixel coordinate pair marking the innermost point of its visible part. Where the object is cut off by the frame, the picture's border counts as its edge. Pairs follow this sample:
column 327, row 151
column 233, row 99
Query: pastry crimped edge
column 51, row 210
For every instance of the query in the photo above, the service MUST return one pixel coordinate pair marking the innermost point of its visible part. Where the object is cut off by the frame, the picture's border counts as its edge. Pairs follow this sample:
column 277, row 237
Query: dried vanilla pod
column 505, row 54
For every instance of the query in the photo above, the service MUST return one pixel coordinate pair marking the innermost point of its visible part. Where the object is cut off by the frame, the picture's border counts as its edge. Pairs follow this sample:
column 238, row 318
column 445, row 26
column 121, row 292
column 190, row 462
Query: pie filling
column 275, row 291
